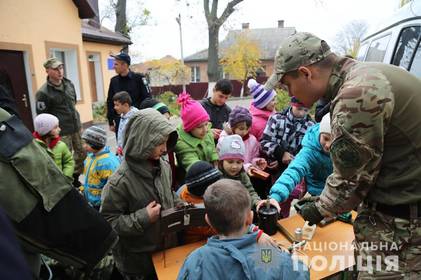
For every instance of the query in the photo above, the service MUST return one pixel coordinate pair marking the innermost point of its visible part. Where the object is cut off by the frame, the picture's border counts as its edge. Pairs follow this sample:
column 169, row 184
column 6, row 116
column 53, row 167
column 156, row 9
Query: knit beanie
column 155, row 104
column 192, row 113
column 325, row 124
column 231, row 147
column 238, row 115
column 200, row 175
column 295, row 102
column 261, row 97
column 95, row 136
column 44, row 123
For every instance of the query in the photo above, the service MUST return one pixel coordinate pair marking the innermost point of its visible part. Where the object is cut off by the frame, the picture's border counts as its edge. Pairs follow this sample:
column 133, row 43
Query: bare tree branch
column 206, row 7
column 229, row 9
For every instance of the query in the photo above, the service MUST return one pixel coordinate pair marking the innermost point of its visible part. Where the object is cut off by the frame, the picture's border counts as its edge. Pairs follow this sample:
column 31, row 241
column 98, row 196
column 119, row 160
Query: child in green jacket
column 47, row 134
column 195, row 140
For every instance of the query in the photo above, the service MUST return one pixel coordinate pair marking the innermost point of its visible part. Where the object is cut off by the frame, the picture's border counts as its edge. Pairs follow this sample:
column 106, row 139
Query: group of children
column 211, row 143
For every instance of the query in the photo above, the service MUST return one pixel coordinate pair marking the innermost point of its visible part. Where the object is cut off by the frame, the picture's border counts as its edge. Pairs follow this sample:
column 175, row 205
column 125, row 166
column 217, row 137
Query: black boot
column 76, row 182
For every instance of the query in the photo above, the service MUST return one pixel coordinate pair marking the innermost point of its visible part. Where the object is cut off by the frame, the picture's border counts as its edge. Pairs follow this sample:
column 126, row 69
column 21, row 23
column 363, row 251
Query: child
column 135, row 195
column 100, row 163
column 123, row 107
column 284, row 132
column 216, row 106
column 155, row 104
column 47, row 134
column 195, row 140
column 231, row 159
column 236, row 252
column 312, row 163
column 240, row 121
column 200, row 175
column 262, row 107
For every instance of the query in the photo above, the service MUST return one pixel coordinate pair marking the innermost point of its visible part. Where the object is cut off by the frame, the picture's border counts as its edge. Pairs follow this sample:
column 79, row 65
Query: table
column 329, row 252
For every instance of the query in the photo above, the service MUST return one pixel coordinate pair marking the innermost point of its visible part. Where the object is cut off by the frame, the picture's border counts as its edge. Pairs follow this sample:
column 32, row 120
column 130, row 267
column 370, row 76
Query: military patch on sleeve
column 345, row 154
column 41, row 105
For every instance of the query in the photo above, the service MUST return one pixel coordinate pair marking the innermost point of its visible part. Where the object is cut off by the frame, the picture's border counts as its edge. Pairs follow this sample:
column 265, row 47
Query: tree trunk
column 121, row 21
column 213, row 59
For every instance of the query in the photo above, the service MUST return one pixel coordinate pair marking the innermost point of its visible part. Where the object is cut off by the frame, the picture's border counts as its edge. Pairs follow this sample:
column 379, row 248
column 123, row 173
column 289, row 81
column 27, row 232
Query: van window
column 377, row 49
column 416, row 63
column 406, row 45
column 362, row 51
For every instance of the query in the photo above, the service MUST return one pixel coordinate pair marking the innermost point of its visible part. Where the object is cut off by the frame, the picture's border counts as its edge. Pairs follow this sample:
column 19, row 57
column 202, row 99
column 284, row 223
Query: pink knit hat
column 192, row 113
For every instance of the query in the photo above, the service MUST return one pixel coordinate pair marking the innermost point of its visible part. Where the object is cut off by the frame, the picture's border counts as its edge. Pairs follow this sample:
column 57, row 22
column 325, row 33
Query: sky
column 160, row 37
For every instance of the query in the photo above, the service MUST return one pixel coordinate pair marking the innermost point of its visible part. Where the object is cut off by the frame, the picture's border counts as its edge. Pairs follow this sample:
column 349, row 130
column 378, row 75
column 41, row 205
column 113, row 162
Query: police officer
column 58, row 97
column 125, row 80
column 376, row 150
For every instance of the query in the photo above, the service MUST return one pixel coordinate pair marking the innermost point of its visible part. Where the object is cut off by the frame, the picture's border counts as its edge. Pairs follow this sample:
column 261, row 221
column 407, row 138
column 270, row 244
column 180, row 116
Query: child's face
column 299, row 112
column 55, row 131
column 271, row 106
column 232, row 166
column 200, row 131
column 241, row 129
column 121, row 108
column 325, row 141
column 159, row 150
column 218, row 98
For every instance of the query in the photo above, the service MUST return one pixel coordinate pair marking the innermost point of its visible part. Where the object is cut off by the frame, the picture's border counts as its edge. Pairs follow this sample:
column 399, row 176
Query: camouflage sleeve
column 360, row 116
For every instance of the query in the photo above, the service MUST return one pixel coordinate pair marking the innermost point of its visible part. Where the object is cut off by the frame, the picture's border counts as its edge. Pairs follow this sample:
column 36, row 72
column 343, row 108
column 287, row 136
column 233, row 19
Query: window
column 416, row 63
column 71, row 69
column 195, row 74
column 406, row 45
column 377, row 49
column 362, row 51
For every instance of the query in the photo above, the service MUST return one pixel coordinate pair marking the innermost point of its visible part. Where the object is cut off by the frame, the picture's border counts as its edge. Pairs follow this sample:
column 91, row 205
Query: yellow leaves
column 168, row 71
column 241, row 59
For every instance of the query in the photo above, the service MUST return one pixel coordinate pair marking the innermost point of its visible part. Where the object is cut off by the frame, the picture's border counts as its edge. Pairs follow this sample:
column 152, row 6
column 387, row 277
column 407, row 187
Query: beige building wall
column 104, row 51
column 203, row 70
column 31, row 26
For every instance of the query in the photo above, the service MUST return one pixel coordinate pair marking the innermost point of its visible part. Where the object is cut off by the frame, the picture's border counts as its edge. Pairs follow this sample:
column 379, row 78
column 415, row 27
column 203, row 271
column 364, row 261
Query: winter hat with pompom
column 261, row 97
column 192, row 113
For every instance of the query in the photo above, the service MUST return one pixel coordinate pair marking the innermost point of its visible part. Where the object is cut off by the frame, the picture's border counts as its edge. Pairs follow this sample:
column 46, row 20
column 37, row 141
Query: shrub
column 170, row 99
column 99, row 111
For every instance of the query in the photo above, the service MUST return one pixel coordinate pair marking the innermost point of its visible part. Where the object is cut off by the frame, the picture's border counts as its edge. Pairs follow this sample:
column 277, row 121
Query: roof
column 94, row 32
column 85, row 9
column 268, row 39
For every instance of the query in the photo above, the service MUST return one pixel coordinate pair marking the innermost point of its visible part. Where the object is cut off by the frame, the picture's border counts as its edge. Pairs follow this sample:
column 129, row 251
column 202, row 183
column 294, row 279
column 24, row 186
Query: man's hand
column 272, row 202
column 216, row 132
column 287, row 158
column 153, row 209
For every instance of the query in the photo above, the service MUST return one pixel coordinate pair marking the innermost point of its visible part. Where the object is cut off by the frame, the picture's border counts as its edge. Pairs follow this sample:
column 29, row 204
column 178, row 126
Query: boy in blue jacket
column 312, row 163
column 234, row 252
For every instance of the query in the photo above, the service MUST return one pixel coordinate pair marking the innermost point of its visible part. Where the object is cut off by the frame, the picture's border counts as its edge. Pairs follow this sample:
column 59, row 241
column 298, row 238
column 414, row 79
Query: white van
column 396, row 41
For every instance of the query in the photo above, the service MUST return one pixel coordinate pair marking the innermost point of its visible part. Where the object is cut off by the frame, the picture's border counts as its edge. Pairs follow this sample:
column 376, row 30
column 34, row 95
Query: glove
column 310, row 213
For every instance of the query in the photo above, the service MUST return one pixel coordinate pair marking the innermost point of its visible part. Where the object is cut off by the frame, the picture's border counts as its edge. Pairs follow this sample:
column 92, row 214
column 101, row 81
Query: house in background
column 158, row 71
column 31, row 31
column 268, row 40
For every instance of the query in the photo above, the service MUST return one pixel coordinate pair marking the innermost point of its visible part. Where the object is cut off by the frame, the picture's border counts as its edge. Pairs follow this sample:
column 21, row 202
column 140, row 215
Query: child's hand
column 261, row 164
column 154, row 210
column 287, row 158
column 216, row 132
column 250, row 171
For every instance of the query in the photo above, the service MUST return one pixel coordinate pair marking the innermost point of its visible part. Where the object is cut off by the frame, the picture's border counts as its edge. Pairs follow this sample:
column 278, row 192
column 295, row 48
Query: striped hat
column 95, row 136
column 200, row 176
column 261, row 97
column 231, row 147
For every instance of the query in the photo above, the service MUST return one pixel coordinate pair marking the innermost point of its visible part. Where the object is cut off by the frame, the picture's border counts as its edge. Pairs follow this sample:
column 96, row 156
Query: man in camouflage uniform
column 58, row 97
column 376, row 150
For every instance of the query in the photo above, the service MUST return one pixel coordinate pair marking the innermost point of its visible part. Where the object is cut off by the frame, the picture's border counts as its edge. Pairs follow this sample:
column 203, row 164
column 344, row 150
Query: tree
column 348, row 40
column 241, row 59
column 214, row 24
column 167, row 71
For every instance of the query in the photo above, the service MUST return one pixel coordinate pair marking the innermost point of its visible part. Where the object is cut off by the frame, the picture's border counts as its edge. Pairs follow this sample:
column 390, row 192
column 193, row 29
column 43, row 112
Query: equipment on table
column 268, row 218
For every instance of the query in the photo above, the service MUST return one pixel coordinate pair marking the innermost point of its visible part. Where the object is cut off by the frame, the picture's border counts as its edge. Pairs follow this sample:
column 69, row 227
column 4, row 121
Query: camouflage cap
column 52, row 63
column 300, row 49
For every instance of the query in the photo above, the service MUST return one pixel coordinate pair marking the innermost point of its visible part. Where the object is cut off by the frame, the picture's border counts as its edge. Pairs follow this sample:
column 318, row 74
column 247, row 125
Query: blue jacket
column 240, row 259
column 98, row 168
column 311, row 163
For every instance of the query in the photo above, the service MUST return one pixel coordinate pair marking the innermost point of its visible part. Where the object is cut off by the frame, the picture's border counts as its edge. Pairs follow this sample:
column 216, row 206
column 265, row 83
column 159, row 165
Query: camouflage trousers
column 74, row 142
column 387, row 247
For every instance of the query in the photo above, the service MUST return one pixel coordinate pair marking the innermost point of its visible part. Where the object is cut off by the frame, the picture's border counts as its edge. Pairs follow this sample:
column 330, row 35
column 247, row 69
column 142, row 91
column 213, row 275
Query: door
column 92, row 81
column 13, row 81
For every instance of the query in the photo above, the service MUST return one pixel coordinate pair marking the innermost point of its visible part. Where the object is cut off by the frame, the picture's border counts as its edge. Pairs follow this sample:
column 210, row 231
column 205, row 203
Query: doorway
column 95, row 77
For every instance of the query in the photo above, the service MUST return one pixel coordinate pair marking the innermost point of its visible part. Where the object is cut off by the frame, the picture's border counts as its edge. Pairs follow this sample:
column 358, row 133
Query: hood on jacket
column 256, row 112
column 146, row 130
column 312, row 138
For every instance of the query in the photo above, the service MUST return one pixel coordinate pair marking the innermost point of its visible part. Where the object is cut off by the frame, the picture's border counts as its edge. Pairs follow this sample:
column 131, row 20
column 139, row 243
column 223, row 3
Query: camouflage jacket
column 376, row 130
